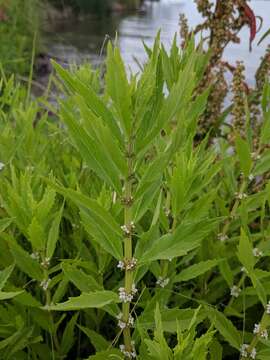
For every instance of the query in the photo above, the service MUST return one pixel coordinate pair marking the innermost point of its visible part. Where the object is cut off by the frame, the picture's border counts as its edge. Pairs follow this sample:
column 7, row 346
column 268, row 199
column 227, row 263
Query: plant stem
column 128, row 245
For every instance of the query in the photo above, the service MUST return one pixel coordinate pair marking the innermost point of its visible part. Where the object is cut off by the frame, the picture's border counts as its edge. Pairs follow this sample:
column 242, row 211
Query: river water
column 81, row 40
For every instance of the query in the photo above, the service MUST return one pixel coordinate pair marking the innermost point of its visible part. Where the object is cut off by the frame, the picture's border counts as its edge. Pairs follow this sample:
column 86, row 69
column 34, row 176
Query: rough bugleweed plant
column 122, row 235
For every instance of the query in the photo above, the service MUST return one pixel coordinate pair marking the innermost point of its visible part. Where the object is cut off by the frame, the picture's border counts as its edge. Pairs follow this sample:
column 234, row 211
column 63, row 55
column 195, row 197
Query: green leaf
column 225, row 327
column 95, row 300
column 84, row 282
column 36, row 235
column 260, row 291
column 68, row 338
column 54, row 233
column 118, row 88
column 244, row 155
column 245, row 253
column 25, row 263
column 97, row 221
column 9, row 295
column 91, row 98
column 4, row 223
column 96, row 339
column 187, row 237
column 196, row 270
column 4, row 275
column 89, row 149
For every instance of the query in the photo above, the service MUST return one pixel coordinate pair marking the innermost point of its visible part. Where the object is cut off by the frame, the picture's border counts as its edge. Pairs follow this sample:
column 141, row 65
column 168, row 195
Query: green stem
column 129, row 273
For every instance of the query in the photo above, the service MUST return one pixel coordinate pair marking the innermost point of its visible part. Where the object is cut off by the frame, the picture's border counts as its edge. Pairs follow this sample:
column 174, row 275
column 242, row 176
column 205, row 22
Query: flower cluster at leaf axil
column 127, row 297
column 130, row 354
column 246, row 352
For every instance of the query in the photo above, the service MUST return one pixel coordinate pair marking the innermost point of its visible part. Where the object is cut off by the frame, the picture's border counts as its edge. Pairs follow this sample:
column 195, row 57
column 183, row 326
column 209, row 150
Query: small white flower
column 256, row 329
column 46, row 262
column 162, row 282
column 129, row 354
column 243, row 350
column 251, row 177
column 244, row 270
column 253, row 353
column 2, row 165
column 45, row 284
column 268, row 308
column 241, row 196
column 264, row 334
column 126, row 230
column 35, row 255
column 222, row 237
column 127, row 297
column 257, row 252
column 123, row 324
column 121, row 265
column 235, row 291
column 255, row 156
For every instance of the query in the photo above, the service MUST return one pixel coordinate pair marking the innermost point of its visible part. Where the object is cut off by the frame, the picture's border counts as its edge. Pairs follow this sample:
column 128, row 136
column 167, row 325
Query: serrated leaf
column 245, row 253
column 225, row 327
column 36, row 235
column 9, row 295
column 4, row 223
column 94, row 300
column 68, row 338
column 97, row 340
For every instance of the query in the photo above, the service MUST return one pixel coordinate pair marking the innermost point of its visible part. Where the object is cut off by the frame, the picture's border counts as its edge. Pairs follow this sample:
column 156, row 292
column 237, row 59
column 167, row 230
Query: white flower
column 241, row 196
column 121, row 265
column 46, row 262
column 257, row 252
column 243, row 350
column 253, row 353
column 251, row 177
column 235, row 291
column 35, row 255
column 123, row 324
column 222, row 237
column 268, row 308
column 127, row 297
column 2, row 165
column 162, row 282
column 129, row 354
column 45, row 284
column 256, row 329
column 244, row 270
column 264, row 334
column 255, row 156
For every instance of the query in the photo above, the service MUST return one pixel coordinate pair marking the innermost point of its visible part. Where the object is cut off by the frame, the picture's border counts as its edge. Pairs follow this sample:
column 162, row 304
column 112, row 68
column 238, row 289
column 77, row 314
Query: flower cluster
column 162, row 282
column 45, row 263
column 235, row 291
column 240, row 196
column 124, row 324
column 257, row 252
column 127, row 353
column 244, row 351
column 260, row 332
column 45, row 284
column 222, row 237
column 127, row 297
column 127, row 264
column 127, row 229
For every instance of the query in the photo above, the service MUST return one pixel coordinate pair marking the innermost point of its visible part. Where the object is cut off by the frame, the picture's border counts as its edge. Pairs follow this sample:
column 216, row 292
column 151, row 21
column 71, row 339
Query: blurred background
column 75, row 31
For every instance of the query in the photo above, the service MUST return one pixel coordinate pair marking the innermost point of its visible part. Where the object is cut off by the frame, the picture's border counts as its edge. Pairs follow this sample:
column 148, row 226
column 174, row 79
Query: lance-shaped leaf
column 4, row 223
column 93, row 101
column 90, row 150
column 54, row 233
column 25, row 263
column 196, row 270
column 225, row 327
column 4, row 275
column 97, row 221
column 118, row 88
column 9, row 295
column 187, row 237
column 244, row 155
column 245, row 253
column 95, row 300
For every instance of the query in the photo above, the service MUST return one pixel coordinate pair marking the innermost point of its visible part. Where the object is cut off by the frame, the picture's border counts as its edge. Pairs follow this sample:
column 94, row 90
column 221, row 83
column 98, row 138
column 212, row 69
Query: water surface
column 81, row 40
